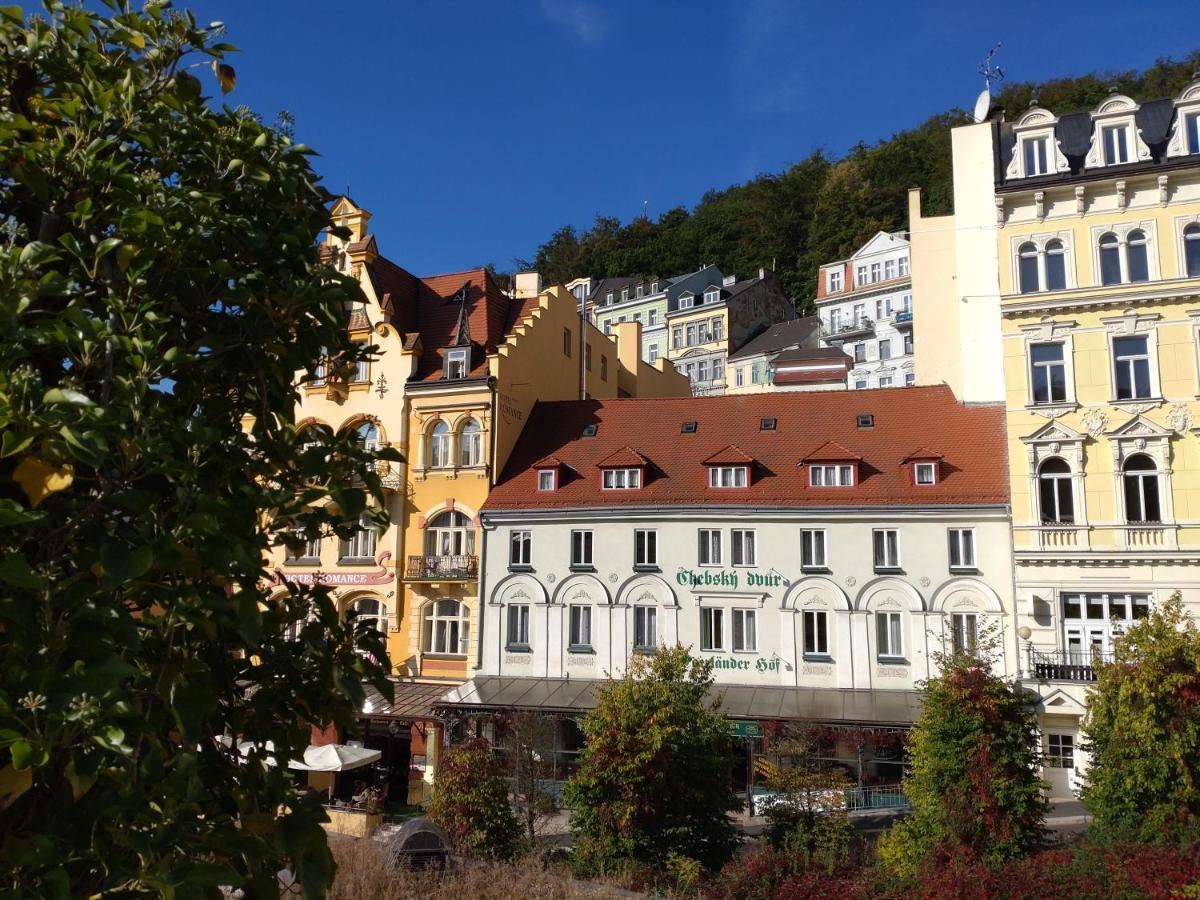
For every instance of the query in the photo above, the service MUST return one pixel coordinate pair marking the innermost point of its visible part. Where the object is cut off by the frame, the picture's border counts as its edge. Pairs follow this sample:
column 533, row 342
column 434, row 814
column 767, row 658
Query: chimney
column 629, row 344
column 728, row 280
column 527, row 284
column 762, row 273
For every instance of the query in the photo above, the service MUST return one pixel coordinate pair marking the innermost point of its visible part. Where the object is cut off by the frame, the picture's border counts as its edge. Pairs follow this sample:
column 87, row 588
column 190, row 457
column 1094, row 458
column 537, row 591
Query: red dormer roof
column 624, row 458
column 924, row 454
column 548, row 462
column 729, row 456
column 831, row 451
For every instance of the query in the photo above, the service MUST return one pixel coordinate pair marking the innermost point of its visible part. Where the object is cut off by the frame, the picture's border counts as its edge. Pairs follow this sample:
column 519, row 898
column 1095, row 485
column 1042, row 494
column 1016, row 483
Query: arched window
column 446, row 628
column 1136, row 253
column 1110, row 259
column 1056, row 266
column 450, row 534
column 1055, row 493
column 371, row 610
column 439, row 445
column 471, row 447
column 1028, row 267
column 1191, row 249
column 1140, row 478
column 368, row 436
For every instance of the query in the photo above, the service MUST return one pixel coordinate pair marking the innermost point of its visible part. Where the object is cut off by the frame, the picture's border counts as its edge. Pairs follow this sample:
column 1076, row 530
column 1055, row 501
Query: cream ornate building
column 1072, row 270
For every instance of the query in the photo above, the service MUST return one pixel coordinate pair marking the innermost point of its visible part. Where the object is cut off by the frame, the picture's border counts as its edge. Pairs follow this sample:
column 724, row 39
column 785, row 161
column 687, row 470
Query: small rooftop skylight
column 688, row 428
column 767, row 424
column 589, row 430
column 866, row 420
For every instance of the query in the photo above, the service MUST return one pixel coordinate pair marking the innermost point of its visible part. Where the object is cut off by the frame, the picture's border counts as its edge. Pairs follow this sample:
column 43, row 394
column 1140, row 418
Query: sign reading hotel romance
column 724, row 578
column 371, row 576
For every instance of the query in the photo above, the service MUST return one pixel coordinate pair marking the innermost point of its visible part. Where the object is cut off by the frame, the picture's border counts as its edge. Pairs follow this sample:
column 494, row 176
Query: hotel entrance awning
column 826, row 705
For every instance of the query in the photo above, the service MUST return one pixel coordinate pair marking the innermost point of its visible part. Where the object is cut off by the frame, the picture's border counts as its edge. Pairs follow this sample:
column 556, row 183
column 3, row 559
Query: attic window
column 925, row 473
column 547, row 479
column 866, row 420
column 589, row 430
column 766, row 424
column 712, row 296
column 727, row 476
column 456, row 364
column 621, row 479
column 688, row 428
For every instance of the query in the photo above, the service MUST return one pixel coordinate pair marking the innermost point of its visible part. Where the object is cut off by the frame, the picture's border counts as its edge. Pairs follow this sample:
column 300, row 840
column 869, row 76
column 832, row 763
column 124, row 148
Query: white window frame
column 813, row 549
column 457, row 364
column 470, row 444
column 581, row 548
column 1123, row 149
column 964, row 632
column 749, row 630
column 830, row 475
column 645, row 547
column 886, row 540
column 924, row 474
column 1150, row 356
column 439, row 642
column 1046, row 154
column 889, row 635
column 712, row 296
column 547, row 479
column 621, row 479
column 579, row 627
column 520, row 547
column 712, row 628
column 728, row 476
column 361, row 543
column 816, row 641
column 708, row 548
column 645, row 627
column 516, row 627
column 742, row 548
column 441, row 445
column 687, row 301
column 833, row 281
column 962, row 545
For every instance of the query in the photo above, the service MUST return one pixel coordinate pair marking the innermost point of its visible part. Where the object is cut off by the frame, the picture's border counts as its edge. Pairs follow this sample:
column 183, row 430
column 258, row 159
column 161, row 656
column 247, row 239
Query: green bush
column 471, row 803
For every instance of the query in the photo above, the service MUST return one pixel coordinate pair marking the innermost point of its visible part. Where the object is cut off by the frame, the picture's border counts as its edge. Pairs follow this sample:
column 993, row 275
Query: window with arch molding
column 1110, row 259
column 471, row 446
column 367, row 435
column 1136, row 252
column 1055, row 493
column 1027, row 267
column 372, row 611
column 1139, row 479
column 1191, row 250
column 1056, row 265
column 450, row 533
column 439, row 445
column 446, row 628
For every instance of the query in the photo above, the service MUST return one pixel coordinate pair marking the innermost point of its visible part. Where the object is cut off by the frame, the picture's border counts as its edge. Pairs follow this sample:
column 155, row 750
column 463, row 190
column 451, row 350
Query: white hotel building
column 802, row 542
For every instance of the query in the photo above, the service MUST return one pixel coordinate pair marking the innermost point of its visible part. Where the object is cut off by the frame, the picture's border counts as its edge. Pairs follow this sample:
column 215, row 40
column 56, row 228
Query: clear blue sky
column 472, row 129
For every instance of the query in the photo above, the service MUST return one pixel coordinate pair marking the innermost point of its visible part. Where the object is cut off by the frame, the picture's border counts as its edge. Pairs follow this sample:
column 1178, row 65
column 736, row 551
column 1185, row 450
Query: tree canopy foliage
column 160, row 288
column 821, row 208
column 653, row 781
column 1143, row 727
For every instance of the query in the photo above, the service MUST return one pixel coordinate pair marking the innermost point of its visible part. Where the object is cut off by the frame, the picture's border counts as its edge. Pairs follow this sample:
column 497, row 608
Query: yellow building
column 1092, row 284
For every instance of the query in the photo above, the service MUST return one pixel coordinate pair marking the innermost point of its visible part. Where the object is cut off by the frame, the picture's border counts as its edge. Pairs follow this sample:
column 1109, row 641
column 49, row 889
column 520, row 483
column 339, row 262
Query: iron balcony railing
column 1066, row 665
column 442, row 568
column 845, row 329
column 903, row 317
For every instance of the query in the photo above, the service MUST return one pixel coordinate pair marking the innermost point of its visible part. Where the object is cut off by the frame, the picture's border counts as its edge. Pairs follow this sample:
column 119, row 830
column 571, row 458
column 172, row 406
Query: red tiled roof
column 971, row 437
column 624, row 458
column 922, row 453
column 437, row 319
column 547, row 462
column 729, row 456
column 831, row 451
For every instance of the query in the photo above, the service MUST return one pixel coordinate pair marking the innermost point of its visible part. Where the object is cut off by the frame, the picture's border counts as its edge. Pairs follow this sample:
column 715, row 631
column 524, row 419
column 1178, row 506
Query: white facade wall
column 849, row 591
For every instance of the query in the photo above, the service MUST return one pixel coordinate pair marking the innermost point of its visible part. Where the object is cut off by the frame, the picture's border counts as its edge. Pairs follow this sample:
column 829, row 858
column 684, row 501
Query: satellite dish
column 983, row 105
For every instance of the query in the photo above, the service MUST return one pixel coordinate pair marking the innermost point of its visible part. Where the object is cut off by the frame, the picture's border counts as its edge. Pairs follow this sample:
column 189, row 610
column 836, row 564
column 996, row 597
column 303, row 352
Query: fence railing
column 886, row 796
column 1066, row 665
column 447, row 567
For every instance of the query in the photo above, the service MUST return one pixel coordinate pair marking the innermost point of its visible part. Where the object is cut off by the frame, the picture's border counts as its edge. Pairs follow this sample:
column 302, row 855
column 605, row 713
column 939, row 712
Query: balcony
column 846, row 331
column 1066, row 665
column 1150, row 536
column 442, row 568
column 903, row 319
column 1057, row 536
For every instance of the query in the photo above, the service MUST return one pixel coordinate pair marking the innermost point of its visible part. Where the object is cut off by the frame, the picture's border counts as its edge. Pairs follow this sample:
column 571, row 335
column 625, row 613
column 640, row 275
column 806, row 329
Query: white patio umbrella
column 335, row 758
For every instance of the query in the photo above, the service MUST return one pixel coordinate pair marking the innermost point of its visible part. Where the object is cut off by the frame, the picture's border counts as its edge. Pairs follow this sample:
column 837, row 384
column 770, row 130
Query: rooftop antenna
column 990, row 73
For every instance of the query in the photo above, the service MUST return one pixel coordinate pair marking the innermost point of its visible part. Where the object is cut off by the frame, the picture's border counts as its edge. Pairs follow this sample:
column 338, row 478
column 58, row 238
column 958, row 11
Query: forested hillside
column 820, row 209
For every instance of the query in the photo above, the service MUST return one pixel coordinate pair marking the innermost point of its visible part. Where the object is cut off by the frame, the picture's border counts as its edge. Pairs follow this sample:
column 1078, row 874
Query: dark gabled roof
column 778, row 337
column 971, row 437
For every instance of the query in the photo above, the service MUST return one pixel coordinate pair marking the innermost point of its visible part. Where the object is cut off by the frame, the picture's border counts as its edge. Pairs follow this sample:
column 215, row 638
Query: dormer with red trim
column 623, row 470
column 925, row 466
column 730, row 467
column 549, row 473
column 832, row 465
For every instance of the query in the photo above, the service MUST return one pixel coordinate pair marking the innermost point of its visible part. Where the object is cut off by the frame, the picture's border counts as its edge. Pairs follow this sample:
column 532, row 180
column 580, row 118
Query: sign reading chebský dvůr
column 724, row 578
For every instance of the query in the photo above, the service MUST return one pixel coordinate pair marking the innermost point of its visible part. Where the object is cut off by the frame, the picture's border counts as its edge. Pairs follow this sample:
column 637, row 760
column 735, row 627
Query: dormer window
column 1034, row 150
column 621, row 479
column 624, row 294
column 638, row 292
column 654, row 287
column 686, row 301
column 456, row 364
column 833, row 281
column 925, row 473
column 728, row 476
column 1191, row 128
column 547, row 479
column 712, row 296
column 608, row 298
column 1116, row 144
column 831, row 476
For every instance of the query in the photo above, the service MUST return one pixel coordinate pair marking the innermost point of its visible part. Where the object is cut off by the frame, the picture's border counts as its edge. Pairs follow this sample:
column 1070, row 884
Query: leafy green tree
column 974, row 780
column 654, row 778
column 159, row 290
column 808, row 820
column 1143, row 728
column 471, row 802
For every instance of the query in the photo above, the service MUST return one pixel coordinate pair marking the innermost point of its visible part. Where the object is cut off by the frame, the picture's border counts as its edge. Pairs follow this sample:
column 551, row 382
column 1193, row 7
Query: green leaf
column 15, row 570
column 12, row 513
column 67, row 395
column 106, row 246
column 22, row 754
column 11, row 442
